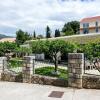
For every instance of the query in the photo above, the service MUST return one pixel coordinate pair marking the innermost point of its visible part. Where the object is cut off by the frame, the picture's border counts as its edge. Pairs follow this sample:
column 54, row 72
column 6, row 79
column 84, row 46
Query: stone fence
column 91, row 81
column 77, row 78
column 44, row 80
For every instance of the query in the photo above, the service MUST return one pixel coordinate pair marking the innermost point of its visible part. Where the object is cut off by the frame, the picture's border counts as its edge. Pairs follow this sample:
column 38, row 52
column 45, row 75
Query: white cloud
column 36, row 14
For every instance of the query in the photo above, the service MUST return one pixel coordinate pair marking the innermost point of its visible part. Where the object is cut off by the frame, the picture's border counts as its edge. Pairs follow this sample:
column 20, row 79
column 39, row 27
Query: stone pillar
column 3, row 63
column 28, row 69
column 75, row 69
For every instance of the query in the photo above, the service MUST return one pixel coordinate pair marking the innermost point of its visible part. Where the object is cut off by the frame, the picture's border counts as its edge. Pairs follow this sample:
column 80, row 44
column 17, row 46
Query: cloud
column 31, row 15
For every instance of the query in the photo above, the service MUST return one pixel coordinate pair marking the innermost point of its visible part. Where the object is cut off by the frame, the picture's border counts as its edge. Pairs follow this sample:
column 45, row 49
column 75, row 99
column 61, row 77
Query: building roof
column 8, row 40
column 90, row 19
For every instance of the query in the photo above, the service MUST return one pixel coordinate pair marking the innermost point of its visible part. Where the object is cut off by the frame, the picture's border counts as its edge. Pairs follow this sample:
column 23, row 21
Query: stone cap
column 75, row 55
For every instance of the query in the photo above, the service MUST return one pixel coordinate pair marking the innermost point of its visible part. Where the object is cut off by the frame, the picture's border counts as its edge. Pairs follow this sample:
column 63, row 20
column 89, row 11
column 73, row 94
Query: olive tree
column 57, row 48
column 54, row 48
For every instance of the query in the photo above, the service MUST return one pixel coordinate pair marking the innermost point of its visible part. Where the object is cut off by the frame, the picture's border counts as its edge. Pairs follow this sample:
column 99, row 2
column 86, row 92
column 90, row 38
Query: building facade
column 90, row 25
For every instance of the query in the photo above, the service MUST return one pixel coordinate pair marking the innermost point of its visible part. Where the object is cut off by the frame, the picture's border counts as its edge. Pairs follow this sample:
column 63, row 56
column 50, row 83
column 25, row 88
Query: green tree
column 23, row 51
column 34, row 34
column 48, row 32
column 54, row 48
column 21, row 37
column 57, row 48
column 91, row 50
column 7, row 47
column 57, row 33
column 75, row 25
column 40, row 36
column 71, row 28
column 38, row 46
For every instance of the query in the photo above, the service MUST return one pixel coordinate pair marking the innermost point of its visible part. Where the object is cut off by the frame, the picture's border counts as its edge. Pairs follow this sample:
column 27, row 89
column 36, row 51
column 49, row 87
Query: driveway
column 23, row 91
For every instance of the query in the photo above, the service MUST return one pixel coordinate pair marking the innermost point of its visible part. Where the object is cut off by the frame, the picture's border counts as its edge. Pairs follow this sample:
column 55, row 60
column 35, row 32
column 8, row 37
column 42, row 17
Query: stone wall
column 38, row 79
column 91, row 81
column 11, row 77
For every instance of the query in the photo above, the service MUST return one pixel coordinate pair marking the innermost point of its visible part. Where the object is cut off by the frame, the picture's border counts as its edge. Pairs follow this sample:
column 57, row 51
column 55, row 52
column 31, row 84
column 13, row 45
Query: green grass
column 46, row 71
column 15, row 62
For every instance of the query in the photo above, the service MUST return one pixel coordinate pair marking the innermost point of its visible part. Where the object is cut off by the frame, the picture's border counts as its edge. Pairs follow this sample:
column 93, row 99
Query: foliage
column 21, row 37
column 54, row 48
column 38, row 46
column 71, row 28
column 75, row 25
column 46, row 71
column 91, row 50
column 23, row 51
column 40, row 36
column 13, row 63
column 48, row 32
column 7, row 47
column 57, row 33
column 34, row 35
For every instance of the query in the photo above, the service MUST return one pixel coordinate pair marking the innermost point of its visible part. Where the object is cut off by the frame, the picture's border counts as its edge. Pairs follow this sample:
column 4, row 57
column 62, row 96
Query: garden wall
column 35, row 79
column 38, row 79
column 11, row 77
column 91, row 81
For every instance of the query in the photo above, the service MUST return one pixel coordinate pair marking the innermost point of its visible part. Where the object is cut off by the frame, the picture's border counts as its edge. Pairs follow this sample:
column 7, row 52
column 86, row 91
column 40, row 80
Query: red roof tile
column 90, row 19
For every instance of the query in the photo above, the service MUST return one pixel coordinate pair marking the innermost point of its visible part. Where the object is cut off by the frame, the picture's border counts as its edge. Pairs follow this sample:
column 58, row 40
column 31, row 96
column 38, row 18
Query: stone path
column 23, row 91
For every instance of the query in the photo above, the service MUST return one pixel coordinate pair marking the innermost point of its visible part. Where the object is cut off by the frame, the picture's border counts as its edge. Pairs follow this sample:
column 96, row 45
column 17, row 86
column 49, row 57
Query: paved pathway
column 23, row 91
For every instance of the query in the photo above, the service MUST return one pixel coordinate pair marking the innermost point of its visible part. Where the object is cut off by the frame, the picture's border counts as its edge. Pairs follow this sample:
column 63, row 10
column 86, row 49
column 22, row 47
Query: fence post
column 75, row 69
column 3, row 63
column 28, row 69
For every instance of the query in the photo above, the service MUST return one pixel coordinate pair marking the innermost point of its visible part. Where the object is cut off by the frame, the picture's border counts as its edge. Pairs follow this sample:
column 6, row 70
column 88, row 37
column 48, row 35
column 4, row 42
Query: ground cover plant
column 47, row 71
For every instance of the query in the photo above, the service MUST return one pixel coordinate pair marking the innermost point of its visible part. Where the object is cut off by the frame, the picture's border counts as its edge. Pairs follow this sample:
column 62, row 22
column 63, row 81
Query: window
column 96, row 27
column 85, row 28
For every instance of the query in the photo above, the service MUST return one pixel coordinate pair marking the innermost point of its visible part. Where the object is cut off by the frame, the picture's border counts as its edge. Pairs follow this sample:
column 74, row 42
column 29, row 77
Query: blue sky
column 30, row 15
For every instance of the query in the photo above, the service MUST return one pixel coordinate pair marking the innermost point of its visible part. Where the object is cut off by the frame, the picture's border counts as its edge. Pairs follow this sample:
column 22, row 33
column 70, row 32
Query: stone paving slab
column 23, row 91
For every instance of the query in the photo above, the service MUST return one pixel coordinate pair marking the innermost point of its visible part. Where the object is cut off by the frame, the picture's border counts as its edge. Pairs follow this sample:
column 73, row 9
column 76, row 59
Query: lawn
column 47, row 71
column 15, row 62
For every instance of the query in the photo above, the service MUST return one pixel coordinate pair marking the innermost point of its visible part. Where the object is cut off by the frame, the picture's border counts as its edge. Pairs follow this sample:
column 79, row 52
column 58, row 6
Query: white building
column 90, row 25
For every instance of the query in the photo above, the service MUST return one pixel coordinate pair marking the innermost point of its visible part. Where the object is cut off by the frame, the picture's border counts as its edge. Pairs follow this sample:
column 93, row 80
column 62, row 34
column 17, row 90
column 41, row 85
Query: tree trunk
column 56, row 63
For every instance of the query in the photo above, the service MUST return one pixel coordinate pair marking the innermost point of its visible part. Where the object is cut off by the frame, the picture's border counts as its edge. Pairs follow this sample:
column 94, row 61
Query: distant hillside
column 4, row 36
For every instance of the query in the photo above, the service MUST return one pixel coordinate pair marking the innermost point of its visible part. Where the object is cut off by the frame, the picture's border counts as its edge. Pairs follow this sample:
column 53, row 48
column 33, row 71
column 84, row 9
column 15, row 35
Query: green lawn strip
column 47, row 71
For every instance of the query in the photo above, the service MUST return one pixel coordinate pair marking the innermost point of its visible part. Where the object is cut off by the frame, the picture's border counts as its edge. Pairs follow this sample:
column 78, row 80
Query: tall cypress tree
column 34, row 35
column 57, row 33
column 48, row 32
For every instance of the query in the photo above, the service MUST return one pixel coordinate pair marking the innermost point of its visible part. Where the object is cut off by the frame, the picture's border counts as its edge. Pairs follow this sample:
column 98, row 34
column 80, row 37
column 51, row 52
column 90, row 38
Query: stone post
column 28, row 69
column 3, row 63
column 75, row 69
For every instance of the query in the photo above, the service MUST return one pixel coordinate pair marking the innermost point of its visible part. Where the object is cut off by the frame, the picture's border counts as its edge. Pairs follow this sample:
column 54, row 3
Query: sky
column 30, row 15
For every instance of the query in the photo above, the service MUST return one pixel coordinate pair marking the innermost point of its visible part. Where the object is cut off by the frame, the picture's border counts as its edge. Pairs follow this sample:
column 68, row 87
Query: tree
column 21, row 37
column 57, row 48
column 23, row 51
column 54, row 48
column 57, row 33
column 34, row 35
column 38, row 46
column 48, row 32
column 6, row 48
column 91, row 50
column 71, row 28
column 75, row 25
column 40, row 36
